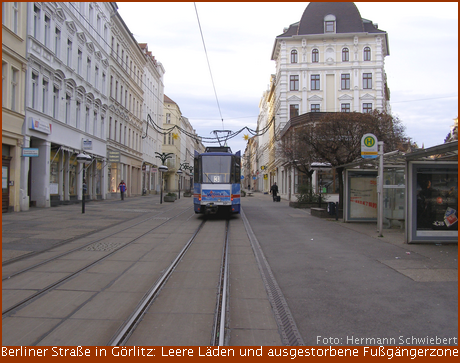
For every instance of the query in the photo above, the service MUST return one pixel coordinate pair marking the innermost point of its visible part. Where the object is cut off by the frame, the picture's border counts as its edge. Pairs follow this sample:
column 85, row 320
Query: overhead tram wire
column 209, row 65
column 149, row 118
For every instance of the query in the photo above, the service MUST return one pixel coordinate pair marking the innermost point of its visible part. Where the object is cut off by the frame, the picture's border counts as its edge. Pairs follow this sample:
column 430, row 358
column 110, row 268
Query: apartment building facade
column 14, row 66
column 332, row 60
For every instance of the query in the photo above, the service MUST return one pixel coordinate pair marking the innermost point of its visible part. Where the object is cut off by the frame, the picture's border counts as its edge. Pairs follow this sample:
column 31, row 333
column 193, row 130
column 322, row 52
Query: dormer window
column 329, row 24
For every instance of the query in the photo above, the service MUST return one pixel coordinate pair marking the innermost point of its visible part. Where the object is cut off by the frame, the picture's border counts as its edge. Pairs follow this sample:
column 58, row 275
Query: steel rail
column 125, row 331
column 64, row 279
column 218, row 336
column 83, row 246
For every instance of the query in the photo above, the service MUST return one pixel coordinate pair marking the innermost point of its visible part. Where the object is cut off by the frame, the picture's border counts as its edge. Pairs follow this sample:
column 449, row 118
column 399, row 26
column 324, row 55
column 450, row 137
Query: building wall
column 14, row 63
column 66, row 100
column 127, row 123
column 324, row 72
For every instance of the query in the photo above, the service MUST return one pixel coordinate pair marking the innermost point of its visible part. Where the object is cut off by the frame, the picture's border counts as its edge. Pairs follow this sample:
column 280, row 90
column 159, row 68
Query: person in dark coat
column 274, row 191
column 122, row 187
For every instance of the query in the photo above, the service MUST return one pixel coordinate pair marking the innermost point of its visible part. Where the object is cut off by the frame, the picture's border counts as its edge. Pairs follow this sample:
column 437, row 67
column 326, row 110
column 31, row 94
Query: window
column 345, row 107
column 69, row 53
column 103, row 82
column 367, row 80
column 34, row 90
column 80, row 61
column 45, row 96
column 4, row 80
column 315, row 108
column 67, row 109
column 294, row 56
column 95, row 124
column 88, row 69
column 367, row 54
column 47, row 30
column 87, row 120
column 329, row 23
column 294, row 83
column 367, row 107
column 15, row 20
column 14, row 89
column 96, row 77
column 329, row 27
column 55, row 102
column 293, row 111
column 315, row 56
column 346, row 81
column 77, row 115
column 57, row 42
column 102, row 126
column 111, row 85
column 315, row 82
column 36, row 21
column 345, row 55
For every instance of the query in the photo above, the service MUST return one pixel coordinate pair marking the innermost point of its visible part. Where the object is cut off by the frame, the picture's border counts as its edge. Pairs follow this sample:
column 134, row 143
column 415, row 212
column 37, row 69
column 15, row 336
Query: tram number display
column 216, row 179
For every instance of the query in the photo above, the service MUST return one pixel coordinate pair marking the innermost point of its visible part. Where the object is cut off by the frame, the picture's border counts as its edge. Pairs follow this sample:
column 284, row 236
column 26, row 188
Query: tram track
column 74, row 239
column 218, row 328
column 62, row 280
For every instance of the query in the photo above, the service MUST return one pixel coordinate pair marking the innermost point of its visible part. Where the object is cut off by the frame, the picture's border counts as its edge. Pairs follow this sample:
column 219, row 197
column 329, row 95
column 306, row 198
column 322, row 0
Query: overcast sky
column 422, row 67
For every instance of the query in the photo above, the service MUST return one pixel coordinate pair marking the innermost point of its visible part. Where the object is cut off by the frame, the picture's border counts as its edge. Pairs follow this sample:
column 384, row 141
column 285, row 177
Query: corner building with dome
column 332, row 60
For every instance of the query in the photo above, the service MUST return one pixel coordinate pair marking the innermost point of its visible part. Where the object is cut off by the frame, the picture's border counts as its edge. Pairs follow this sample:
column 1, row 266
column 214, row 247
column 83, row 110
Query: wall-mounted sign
column 86, row 144
column 30, row 152
column 113, row 156
column 369, row 146
column 40, row 126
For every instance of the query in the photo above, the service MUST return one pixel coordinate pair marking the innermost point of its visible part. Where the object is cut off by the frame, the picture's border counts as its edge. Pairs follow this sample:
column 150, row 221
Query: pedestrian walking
column 274, row 191
column 122, row 187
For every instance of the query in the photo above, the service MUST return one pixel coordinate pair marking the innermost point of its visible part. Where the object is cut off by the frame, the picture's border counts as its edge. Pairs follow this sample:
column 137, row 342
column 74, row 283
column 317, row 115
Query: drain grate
column 104, row 246
column 289, row 332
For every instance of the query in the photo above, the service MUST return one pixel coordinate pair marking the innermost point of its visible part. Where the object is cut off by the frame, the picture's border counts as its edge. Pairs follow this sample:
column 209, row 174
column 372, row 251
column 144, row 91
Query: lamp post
column 163, row 169
column 84, row 160
column 179, row 172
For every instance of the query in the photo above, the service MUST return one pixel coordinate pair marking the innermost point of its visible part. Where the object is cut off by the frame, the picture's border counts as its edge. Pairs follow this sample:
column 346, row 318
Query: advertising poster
column 437, row 199
column 363, row 197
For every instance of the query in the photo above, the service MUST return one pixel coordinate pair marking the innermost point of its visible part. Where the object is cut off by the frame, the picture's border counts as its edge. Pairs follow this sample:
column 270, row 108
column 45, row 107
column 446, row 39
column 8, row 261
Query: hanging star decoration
column 175, row 136
column 246, row 137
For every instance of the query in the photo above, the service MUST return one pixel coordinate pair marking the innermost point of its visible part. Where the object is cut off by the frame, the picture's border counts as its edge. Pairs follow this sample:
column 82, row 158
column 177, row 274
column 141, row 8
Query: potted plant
column 170, row 197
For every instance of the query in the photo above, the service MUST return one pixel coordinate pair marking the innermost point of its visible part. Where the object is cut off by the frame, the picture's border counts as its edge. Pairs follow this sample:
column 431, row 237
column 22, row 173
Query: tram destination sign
column 369, row 146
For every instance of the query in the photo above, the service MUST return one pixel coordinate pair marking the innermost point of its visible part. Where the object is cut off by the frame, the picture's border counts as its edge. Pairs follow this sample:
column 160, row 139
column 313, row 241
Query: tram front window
column 216, row 169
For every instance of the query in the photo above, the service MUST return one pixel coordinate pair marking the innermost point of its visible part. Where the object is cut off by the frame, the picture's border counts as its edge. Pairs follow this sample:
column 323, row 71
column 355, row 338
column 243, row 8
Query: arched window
column 367, row 54
column 315, row 56
column 345, row 55
column 329, row 24
column 294, row 56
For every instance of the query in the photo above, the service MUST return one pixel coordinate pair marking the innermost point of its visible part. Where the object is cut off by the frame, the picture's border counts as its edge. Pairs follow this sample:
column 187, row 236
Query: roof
column 167, row 99
column 348, row 20
column 443, row 152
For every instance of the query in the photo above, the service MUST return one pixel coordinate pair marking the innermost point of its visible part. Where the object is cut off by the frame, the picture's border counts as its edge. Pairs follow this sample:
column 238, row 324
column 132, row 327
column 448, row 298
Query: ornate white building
column 332, row 60
column 66, row 101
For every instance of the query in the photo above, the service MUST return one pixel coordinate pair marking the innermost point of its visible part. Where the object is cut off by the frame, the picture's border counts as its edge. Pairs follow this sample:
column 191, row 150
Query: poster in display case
column 435, row 202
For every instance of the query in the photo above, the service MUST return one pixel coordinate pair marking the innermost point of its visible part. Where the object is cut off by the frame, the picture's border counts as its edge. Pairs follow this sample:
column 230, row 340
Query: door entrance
column 5, row 183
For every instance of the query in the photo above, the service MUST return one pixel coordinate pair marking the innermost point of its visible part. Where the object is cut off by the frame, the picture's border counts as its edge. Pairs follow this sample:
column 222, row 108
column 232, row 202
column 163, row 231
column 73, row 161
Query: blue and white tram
column 217, row 181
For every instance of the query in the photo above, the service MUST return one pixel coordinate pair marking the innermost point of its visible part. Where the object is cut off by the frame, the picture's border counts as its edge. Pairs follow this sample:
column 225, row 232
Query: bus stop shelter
column 420, row 193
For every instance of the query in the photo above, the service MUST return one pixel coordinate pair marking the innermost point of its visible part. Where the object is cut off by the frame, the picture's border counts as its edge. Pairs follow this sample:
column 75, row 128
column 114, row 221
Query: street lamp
column 84, row 160
column 179, row 172
column 162, row 169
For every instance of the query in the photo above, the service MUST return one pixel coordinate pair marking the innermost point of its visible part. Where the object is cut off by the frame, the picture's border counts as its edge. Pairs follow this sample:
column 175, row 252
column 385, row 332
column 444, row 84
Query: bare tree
column 335, row 138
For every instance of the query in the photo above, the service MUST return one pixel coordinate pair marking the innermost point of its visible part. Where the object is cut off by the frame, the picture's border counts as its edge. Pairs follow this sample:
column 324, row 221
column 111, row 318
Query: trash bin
column 331, row 208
